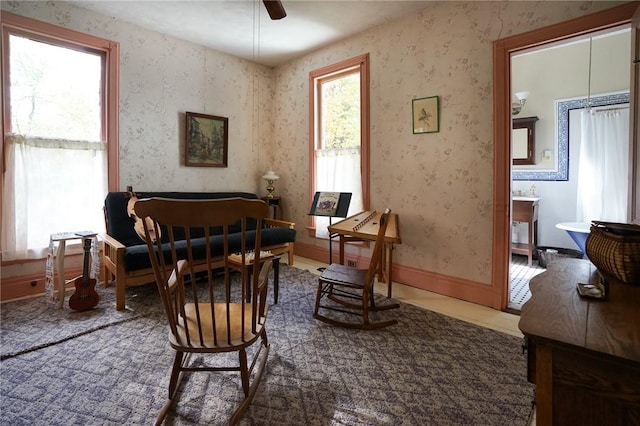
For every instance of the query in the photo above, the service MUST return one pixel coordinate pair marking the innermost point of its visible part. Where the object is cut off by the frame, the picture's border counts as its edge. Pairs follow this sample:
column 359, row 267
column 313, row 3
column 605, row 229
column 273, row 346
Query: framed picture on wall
column 426, row 115
column 207, row 140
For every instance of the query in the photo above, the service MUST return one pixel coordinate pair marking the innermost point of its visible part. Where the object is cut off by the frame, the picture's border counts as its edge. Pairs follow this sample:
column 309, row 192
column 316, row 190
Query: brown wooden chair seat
column 348, row 291
column 205, row 312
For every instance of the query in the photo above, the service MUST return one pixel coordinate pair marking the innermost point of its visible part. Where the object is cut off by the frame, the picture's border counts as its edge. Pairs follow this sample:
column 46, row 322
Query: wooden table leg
column 341, row 250
column 276, row 278
column 530, row 243
column 389, row 269
column 60, row 266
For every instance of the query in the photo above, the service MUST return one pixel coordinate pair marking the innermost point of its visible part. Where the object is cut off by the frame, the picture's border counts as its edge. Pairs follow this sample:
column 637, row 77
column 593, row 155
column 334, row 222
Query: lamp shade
column 271, row 175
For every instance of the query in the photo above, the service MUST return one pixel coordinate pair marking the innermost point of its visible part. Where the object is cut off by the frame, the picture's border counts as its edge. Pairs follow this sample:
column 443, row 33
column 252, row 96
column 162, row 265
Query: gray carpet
column 102, row 367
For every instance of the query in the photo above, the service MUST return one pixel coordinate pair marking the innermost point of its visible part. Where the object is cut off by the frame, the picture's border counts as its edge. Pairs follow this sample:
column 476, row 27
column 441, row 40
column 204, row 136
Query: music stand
column 330, row 204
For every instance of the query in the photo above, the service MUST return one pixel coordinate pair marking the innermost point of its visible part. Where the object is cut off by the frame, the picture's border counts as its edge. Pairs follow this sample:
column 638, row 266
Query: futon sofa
column 125, row 255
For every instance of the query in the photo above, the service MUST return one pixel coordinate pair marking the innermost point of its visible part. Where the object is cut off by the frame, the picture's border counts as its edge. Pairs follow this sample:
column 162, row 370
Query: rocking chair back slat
column 205, row 302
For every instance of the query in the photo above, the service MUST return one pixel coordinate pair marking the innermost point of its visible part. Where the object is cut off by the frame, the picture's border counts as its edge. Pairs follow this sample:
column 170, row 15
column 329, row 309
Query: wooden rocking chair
column 206, row 314
column 349, row 291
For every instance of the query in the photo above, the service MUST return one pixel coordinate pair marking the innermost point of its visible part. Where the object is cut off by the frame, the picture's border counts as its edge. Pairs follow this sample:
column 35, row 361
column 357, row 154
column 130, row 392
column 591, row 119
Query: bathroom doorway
column 503, row 49
column 555, row 83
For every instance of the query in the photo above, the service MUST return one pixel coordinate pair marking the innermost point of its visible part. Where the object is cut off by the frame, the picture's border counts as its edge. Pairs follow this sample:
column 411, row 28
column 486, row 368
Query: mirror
column 523, row 139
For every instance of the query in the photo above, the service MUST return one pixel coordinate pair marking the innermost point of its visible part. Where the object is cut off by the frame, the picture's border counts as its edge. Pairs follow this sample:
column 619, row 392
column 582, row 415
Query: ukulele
column 85, row 296
column 139, row 224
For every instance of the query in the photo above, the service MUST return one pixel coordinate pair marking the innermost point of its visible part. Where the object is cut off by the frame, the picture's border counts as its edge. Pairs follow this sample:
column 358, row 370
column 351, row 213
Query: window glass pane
column 340, row 113
column 55, row 91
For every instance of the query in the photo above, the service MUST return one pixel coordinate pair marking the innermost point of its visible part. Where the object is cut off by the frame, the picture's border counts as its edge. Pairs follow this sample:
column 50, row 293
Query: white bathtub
column 578, row 231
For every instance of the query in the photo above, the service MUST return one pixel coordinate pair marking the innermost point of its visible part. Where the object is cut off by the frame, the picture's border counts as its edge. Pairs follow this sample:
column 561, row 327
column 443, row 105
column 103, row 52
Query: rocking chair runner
column 206, row 314
column 349, row 291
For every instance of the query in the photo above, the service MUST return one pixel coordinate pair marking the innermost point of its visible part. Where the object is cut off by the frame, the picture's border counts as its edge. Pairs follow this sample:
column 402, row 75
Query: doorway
column 502, row 125
column 559, row 80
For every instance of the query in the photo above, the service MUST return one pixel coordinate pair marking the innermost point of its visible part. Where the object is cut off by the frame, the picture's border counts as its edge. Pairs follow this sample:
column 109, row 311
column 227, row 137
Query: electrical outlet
column 351, row 263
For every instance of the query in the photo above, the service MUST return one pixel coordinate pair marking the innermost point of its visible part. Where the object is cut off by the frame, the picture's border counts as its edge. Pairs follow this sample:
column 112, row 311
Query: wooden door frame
column 502, row 50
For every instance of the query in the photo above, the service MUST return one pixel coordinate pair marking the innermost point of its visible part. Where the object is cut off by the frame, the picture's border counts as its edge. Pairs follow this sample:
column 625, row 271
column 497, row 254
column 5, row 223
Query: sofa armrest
column 112, row 242
column 286, row 247
column 113, row 266
column 273, row 223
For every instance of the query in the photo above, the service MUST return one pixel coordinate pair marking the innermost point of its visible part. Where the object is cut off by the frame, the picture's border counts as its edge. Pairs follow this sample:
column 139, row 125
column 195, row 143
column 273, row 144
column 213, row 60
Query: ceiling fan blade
column 275, row 9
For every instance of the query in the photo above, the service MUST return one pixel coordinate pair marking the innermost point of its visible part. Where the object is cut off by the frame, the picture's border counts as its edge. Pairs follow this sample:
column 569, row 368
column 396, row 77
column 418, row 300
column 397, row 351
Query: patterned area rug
column 110, row 368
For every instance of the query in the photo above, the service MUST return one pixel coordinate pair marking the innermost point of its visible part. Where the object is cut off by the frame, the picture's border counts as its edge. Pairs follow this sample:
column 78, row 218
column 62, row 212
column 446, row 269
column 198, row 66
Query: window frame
column 110, row 97
column 328, row 73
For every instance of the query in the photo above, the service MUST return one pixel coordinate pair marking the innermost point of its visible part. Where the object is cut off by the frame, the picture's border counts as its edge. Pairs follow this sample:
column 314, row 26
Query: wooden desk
column 526, row 211
column 364, row 227
column 584, row 354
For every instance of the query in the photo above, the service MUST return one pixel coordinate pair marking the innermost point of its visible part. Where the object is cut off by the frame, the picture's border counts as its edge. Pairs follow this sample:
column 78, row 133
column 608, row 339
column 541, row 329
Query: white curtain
column 338, row 170
column 50, row 186
column 603, row 168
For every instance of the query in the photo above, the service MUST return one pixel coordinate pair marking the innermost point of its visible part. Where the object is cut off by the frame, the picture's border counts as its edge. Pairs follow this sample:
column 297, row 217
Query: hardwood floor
column 466, row 311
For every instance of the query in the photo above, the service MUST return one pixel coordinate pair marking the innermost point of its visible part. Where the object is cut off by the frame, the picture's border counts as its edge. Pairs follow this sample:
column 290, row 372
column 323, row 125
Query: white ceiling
column 243, row 28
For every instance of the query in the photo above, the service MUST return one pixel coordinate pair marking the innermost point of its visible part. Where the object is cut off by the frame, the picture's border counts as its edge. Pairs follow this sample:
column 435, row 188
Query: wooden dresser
column 584, row 354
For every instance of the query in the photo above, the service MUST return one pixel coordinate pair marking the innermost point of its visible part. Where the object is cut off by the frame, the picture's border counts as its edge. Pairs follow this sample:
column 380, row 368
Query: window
column 339, row 134
column 60, row 141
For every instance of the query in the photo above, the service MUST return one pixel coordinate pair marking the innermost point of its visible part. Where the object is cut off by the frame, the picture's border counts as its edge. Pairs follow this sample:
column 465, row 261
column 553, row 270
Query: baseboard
column 23, row 286
column 470, row 291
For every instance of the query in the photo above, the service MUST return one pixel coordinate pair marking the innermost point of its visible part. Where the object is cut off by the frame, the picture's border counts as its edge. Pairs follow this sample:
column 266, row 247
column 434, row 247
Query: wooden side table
column 61, row 239
column 274, row 207
column 275, row 264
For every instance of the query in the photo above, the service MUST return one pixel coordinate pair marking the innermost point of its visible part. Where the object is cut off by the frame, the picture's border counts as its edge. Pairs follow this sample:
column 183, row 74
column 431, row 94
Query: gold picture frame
column 207, row 140
column 426, row 115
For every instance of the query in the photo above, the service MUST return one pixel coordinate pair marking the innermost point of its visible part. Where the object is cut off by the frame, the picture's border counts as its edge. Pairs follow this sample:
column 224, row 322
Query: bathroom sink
column 525, row 198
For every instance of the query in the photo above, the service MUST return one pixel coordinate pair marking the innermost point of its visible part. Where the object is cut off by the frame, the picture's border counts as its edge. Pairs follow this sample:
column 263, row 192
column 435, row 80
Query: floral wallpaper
column 161, row 78
column 440, row 184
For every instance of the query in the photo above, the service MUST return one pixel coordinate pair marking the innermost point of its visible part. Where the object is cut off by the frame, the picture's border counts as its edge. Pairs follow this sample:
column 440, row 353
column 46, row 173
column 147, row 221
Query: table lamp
column 270, row 177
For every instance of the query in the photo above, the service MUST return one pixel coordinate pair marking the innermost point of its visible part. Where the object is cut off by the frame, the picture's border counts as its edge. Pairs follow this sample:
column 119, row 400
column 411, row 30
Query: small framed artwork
column 426, row 115
column 207, row 140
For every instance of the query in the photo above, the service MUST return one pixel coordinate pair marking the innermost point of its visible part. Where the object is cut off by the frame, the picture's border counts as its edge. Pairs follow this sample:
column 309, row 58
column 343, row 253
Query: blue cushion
column 136, row 257
column 121, row 227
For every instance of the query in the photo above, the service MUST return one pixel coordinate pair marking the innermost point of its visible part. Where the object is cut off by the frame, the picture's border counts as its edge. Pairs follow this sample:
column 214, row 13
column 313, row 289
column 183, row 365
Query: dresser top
column 557, row 312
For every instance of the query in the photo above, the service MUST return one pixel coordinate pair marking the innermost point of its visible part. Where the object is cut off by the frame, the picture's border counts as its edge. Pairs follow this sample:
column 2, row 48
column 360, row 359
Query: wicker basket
column 614, row 248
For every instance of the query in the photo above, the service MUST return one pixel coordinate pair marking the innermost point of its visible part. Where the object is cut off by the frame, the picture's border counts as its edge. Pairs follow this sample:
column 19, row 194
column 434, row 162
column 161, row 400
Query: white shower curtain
column 604, row 163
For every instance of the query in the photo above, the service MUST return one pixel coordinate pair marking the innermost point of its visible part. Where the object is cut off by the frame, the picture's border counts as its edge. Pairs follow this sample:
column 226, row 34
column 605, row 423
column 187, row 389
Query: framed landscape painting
column 207, row 140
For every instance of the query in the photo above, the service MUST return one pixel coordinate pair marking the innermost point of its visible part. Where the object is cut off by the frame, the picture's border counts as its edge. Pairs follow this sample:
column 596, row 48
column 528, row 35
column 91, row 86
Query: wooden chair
column 206, row 313
column 349, row 290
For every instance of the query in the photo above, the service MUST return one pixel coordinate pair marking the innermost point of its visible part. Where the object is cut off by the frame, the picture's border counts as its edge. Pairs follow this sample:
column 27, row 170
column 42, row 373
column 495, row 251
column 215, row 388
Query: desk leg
column 389, row 266
column 341, row 250
column 60, row 267
column 276, row 279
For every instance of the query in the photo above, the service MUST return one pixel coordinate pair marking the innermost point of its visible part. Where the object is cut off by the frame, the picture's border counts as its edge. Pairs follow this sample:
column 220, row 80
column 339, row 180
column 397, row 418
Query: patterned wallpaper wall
column 439, row 183
column 161, row 78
